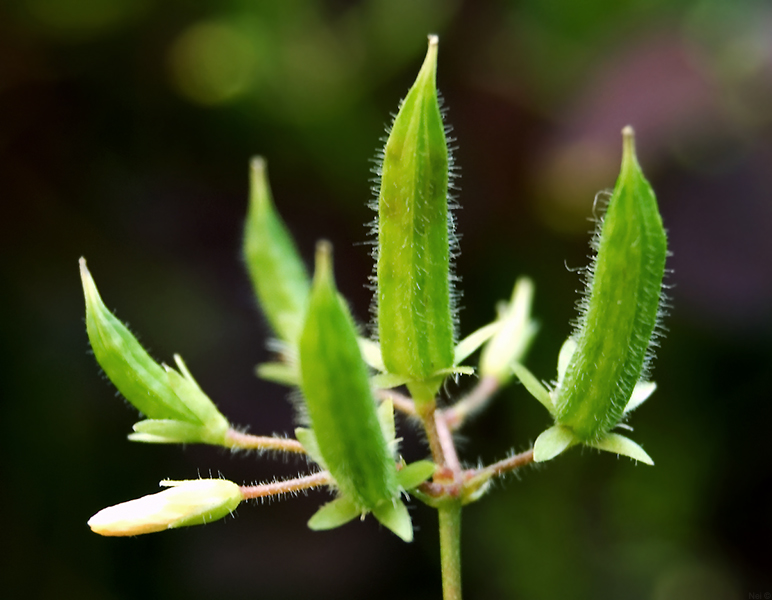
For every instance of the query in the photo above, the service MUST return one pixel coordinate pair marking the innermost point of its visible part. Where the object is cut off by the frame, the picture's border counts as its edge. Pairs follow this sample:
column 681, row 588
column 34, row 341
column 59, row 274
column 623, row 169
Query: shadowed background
column 126, row 127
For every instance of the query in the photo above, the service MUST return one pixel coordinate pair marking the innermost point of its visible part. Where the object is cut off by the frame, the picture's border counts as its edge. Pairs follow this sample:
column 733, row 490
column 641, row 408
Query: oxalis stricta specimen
column 345, row 381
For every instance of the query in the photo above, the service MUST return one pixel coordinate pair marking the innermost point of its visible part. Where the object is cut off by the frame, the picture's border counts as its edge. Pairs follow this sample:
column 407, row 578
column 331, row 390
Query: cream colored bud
column 191, row 502
column 512, row 340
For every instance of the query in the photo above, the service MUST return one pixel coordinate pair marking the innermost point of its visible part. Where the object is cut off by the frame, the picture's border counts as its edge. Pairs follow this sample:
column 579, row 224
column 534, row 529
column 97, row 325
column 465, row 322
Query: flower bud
column 511, row 342
column 191, row 502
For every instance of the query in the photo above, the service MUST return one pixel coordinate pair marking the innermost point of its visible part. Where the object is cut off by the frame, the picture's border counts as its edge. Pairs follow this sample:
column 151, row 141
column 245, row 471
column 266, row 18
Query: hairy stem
column 288, row 486
column 401, row 402
column 473, row 403
column 501, row 467
column 450, row 549
column 245, row 441
column 426, row 411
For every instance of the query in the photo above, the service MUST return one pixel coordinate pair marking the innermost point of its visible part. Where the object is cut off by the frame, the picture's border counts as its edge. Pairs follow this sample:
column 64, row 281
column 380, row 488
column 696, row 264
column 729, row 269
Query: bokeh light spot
column 212, row 63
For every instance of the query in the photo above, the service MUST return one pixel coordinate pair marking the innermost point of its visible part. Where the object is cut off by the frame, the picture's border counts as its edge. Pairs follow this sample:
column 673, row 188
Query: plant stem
column 474, row 402
column 246, row 441
column 288, row 486
column 450, row 548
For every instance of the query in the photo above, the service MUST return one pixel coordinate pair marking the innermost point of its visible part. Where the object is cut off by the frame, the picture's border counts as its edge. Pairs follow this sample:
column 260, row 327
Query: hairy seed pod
column 141, row 380
column 414, row 297
column 278, row 274
column 620, row 310
column 340, row 404
column 178, row 410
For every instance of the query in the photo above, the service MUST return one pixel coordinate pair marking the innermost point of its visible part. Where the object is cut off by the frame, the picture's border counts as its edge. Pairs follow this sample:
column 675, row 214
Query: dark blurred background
column 126, row 127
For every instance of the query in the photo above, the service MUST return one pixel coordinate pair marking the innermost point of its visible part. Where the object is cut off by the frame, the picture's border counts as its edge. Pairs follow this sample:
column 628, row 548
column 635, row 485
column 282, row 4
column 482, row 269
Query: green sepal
column 474, row 340
column 414, row 474
column 641, row 393
column 307, row 439
column 159, row 392
column 533, row 385
column 394, row 516
column 187, row 389
column 167, row 431
column 619, row 444
column 278, row 274
column 620, row 310
column 552, row 442
column 414, row 297
column 334, row 514
column 278, row 372
column 338, row 397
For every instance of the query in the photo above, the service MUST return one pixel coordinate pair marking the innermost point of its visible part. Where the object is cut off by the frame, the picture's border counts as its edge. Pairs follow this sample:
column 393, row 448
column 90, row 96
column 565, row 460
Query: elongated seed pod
column 341, row 407
column 141, row 380
column 621, row 309
column 414, row 299
column 278, row 274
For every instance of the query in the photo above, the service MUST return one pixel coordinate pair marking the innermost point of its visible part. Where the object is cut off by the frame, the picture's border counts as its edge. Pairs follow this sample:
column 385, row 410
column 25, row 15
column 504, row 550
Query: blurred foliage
column 125, row 133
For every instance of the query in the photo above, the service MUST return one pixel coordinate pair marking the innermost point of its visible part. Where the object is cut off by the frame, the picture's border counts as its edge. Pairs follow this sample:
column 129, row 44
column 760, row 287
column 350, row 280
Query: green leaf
column 334, row 514
column 414, row 297
column 394, row 516
column 414, row 474
column 278, row 274
column 340, row 403
column 552, row 442
column 620, row 310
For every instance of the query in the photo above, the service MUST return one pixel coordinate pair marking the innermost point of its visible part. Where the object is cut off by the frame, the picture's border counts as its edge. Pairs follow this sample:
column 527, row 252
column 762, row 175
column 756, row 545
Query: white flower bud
column 191, row 502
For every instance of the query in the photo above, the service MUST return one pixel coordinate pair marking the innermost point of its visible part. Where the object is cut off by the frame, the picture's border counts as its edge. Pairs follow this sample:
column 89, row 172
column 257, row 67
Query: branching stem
column 473, row 403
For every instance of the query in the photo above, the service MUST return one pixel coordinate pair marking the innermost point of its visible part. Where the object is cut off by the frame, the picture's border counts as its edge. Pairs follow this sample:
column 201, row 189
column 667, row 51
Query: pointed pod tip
column 258, row 165
column 628, row 143
column 434, row 40
column 323, row 260
column 89, row 287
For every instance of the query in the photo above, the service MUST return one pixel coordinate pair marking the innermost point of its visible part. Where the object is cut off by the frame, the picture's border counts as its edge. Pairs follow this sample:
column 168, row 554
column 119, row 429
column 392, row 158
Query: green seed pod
column 341, row 407
column 176, row 407
column 278, row 274
column 620, row 311
column 414, row 298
